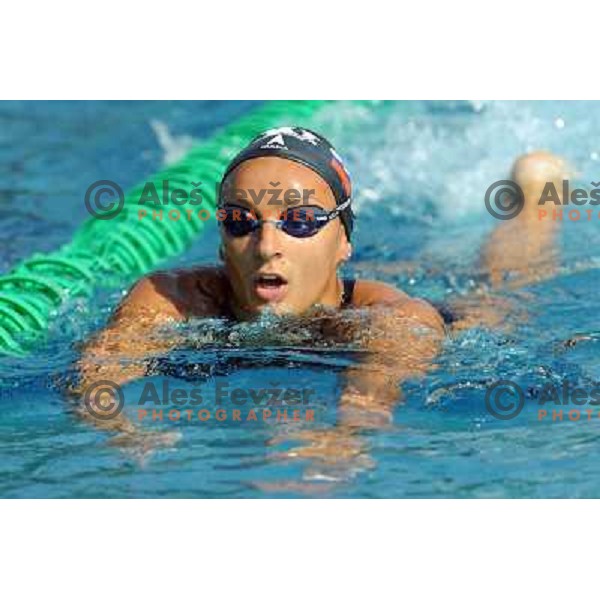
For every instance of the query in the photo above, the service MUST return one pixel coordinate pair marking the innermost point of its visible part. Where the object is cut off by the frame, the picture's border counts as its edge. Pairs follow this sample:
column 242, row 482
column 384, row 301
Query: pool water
column 420, row 170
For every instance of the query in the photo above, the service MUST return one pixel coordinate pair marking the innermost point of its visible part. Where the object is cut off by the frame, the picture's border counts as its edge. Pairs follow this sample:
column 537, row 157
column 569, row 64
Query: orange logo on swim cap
column 343, row 175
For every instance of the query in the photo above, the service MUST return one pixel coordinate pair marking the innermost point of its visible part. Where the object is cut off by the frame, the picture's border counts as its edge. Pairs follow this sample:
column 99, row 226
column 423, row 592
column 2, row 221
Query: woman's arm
column 121, row 352
column 402, row 338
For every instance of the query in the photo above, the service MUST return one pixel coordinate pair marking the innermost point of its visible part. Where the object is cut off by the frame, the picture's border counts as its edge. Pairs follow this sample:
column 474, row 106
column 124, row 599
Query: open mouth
column 270, row 286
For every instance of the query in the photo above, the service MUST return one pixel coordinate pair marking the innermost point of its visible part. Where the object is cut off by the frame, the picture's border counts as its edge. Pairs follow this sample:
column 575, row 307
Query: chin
column 279, row 309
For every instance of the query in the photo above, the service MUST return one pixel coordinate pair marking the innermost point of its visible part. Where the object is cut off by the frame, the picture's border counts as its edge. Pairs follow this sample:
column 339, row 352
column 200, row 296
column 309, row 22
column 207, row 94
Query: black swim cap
column 312, row 150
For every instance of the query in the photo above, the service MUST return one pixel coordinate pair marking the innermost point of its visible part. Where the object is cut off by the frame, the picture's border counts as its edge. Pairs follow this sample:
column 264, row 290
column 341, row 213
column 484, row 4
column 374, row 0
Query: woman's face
column 305, row 269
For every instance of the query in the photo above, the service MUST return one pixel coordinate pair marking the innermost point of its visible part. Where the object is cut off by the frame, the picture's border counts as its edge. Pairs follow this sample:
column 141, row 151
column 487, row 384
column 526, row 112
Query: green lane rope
column 126, row 246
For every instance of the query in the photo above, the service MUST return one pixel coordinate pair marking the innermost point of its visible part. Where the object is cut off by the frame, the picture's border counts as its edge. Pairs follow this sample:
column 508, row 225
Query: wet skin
column 412, row 329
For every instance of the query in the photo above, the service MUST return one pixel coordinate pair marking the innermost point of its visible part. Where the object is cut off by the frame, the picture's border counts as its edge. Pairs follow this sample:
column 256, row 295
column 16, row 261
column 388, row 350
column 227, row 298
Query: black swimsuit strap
column 348, row 292
column 448, row 314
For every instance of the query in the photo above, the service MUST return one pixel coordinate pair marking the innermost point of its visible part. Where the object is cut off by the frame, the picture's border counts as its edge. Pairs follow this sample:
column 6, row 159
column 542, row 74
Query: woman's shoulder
column 191, row 291
column 370, row 293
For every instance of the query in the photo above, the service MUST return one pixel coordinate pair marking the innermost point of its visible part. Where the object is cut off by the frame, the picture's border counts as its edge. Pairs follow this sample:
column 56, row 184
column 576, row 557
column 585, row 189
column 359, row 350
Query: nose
column 268, row 243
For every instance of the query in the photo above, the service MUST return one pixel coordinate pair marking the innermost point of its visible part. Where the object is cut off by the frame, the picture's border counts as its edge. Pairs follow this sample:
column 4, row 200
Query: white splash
column 173, row 147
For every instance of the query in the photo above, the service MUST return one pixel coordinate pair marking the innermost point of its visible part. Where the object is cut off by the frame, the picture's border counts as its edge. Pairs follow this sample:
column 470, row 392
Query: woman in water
column 281, row 255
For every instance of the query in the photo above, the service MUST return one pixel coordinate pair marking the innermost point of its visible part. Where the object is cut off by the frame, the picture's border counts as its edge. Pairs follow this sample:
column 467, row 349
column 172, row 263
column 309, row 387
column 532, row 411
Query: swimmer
column 525, row 246
column 519, row 252
column 280, row 256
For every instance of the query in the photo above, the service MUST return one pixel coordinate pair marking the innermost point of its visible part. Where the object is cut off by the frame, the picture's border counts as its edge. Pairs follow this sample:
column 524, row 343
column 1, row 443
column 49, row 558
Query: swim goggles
column 299, row 222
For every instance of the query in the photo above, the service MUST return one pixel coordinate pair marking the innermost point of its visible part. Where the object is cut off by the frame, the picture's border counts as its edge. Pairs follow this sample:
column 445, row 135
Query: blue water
column 420, row 171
